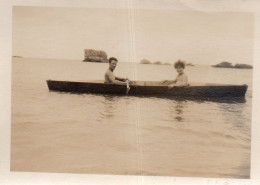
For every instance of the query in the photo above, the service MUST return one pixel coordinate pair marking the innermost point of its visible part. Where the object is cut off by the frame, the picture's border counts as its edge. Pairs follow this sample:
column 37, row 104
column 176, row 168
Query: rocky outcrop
column 189, row 64
column 92, row 55
column 243, row 66
column 145, row 61
column 224, row 65
column 229, row 65
column 157, row 62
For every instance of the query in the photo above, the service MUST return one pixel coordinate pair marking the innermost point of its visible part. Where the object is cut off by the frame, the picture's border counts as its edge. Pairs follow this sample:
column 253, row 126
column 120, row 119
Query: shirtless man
column 109, row 75
column 181, row 79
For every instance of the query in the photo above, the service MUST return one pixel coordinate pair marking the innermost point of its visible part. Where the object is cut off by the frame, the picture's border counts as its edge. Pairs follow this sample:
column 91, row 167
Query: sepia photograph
column 132, row 91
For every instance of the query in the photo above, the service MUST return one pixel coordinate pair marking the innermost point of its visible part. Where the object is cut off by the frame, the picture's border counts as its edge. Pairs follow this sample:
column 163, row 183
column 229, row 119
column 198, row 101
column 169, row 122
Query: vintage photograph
column 130, row 91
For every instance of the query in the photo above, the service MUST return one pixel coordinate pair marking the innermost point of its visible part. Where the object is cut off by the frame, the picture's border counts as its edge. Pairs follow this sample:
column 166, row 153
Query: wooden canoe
column 149, row 88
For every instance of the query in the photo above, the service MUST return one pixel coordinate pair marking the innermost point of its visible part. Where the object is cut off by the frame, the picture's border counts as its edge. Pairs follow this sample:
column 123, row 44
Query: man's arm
column 119, row 82
column 112, row 79
column 121, row 79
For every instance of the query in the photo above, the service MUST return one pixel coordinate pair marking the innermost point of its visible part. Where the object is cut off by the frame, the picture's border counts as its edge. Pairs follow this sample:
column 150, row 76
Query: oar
column 127, row 84
column 127, row 87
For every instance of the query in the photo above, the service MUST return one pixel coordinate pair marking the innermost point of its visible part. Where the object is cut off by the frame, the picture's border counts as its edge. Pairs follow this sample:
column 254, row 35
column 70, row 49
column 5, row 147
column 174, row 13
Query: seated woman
column 181, row 79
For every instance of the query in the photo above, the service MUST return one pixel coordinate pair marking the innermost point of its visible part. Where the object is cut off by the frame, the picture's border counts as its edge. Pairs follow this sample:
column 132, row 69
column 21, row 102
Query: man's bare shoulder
column 108, row 72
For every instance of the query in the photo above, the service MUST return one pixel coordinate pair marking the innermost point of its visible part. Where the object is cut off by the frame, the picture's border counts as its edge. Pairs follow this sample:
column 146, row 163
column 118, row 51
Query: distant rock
column 243, row 66
column 145, row 61
column 17, row 56
column 189, row 64
column 92, row 55
column 157, row 62
column 223, row 65
column 229, row 65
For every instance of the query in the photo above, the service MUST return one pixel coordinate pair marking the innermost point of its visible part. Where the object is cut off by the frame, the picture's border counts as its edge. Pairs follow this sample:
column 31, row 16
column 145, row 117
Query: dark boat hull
column 149, row 88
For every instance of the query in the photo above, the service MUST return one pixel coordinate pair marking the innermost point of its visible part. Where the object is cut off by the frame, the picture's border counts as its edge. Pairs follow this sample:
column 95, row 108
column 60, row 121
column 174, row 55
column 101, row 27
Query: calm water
column 62, row 132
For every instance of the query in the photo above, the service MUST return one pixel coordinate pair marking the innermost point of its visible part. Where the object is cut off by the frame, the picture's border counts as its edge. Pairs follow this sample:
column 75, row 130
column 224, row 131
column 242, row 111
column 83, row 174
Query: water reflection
column 230, row 100
column 110, row 106
column 236, row 115
column 198, row 99
column 177, row 104
column 176, row 110
column 179, row 111
column 201, row 99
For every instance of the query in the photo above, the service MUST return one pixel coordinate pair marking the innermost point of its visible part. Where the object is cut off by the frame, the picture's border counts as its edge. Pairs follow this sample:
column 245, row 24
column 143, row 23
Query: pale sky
column 133, row 35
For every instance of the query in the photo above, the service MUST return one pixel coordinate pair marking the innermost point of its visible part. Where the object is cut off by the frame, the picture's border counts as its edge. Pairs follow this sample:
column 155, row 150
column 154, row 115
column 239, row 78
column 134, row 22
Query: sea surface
column 107, row 134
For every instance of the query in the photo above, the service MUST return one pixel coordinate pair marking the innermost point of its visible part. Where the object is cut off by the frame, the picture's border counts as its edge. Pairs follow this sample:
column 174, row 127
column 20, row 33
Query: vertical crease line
column 137, row 111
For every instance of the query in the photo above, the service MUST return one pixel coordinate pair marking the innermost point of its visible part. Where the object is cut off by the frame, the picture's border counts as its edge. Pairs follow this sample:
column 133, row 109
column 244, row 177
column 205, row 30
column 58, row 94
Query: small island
column 15, row 56
column 145, row 61
column 189, row 64
column 243, row 66
column 92, row 55
column 230, row 65
column 157, row 63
